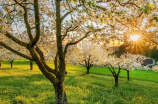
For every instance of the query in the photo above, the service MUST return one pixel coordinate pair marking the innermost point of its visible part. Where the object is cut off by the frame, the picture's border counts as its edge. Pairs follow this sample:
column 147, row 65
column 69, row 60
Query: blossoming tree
column 89, row 54
column 10, row 56
column 30, row 15
column 126, row 62
column 131, row 62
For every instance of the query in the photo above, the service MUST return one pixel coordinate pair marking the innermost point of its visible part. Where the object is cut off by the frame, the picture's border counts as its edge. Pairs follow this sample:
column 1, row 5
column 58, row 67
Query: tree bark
column 116, row 81
column 11, row 63
column 60, row 93
column 31, row 65
column 87, row 70
column 60, row 86
column 127, row 74
column 0, row 63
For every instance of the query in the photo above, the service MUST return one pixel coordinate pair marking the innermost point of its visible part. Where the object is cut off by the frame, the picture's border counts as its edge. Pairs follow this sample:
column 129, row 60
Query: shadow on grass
column 13, row 69
column 131, row 78
column 26, row 89
column 81, row 88
column 18, row 62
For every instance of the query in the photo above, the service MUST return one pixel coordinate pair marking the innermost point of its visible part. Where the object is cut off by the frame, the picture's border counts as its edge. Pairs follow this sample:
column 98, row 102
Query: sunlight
column 134, row 37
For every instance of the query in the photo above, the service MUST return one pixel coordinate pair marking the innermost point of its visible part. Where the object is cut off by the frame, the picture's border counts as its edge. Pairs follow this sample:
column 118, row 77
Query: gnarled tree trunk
column 60, row 93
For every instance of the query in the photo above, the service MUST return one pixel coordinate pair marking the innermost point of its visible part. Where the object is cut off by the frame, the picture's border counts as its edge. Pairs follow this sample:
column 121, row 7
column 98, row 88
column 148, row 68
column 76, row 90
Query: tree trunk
column 31, row 65
column 11, row 63
column 116, row 81
column 127, row 74
column 0, row 63
column 87, row 70
column 60, row 93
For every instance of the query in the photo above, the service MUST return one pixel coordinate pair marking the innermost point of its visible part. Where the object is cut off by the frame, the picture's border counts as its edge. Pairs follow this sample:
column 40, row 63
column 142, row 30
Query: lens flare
column 134, row 37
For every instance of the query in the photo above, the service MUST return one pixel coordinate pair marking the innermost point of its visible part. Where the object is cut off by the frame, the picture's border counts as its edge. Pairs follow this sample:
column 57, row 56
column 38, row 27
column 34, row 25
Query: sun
column 134, row 37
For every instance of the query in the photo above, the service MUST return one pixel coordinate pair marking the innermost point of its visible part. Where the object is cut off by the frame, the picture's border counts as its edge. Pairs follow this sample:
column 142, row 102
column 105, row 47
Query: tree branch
column 16, row 40
column 40, row 53
column 66, row 14
column 48, row 68
column 75, row 42
column 69, row 29
column 16, row 52
column 119, row 70
column 37, row 23
column 26, row 20
column 126, row 3
column 111, row 71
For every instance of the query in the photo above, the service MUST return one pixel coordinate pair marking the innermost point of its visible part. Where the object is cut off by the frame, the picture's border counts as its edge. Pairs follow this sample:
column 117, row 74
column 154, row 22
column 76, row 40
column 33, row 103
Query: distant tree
column 91, row 54
column 10, row 56
column 88, row 63
column 88, row 55
column 127, row 61
column 131, row 62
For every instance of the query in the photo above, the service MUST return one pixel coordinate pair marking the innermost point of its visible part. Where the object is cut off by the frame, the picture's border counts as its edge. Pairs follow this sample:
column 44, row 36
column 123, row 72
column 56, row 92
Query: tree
column 127, row 61
column 10, row 56
column 33, row 21
column 89, row 54
column 6, row 55
column 113, row 63
column 131, row 62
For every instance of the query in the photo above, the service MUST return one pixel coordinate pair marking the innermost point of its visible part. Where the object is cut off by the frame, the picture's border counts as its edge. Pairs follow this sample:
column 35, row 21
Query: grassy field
column 20, row 85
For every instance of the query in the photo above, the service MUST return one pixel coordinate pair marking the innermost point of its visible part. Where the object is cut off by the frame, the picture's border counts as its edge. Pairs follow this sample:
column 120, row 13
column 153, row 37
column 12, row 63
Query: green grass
column 20, row 85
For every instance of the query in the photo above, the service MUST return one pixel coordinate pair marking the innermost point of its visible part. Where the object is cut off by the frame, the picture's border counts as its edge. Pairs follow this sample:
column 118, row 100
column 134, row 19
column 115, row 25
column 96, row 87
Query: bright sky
column 134, row 37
